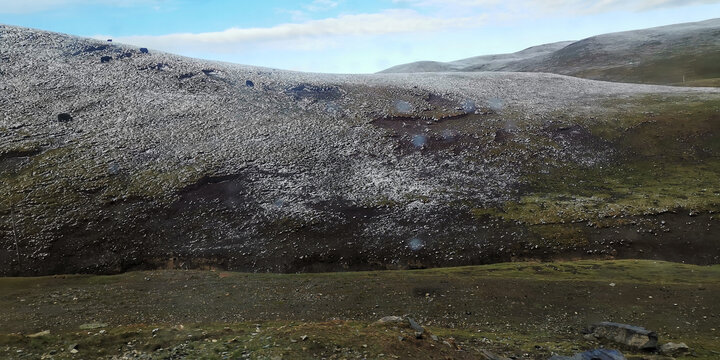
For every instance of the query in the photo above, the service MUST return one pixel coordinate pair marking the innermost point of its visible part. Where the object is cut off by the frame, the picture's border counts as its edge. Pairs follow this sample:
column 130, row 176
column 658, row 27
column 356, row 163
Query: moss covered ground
column 692, row 67
column 666, row 158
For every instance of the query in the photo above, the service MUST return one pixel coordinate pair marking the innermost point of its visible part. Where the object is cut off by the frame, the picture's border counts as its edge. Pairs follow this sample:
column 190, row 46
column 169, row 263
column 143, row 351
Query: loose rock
column 674, row 349
column 419, row 330
column 64, row 117
column 45, row 333
column 632, row 336
column 391, row 319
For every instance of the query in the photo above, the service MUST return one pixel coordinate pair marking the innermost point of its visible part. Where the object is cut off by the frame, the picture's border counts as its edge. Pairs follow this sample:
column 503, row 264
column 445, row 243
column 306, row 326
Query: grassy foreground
column 525, row 310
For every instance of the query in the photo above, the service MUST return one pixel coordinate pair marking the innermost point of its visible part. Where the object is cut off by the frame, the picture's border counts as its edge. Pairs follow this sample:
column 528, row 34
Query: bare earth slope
column 167, row 161
column 681, row 54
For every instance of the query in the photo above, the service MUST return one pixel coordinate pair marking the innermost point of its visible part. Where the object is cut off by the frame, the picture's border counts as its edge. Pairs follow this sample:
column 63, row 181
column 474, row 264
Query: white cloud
column 386, row 22
column 457, row 3
column 25, row 6
column 304, row 12
column 321, row 5
column 556, row 6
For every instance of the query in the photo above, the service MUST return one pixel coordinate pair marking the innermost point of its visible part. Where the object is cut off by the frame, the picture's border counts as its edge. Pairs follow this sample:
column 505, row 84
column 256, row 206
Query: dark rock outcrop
column 64, row 117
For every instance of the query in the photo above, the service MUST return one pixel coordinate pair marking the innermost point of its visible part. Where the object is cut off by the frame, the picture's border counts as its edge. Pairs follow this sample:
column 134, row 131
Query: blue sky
column 346, row 36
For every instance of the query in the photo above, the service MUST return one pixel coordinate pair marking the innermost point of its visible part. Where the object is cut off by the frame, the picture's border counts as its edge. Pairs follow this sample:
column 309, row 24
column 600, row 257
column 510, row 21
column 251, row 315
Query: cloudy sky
column 346, row 36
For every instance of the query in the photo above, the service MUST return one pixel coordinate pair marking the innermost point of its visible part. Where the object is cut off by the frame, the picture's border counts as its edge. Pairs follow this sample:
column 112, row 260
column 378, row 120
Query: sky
column 346, row 36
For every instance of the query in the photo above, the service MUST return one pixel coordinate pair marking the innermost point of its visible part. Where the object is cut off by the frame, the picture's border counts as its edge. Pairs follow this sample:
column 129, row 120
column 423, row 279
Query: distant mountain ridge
column 680, row 54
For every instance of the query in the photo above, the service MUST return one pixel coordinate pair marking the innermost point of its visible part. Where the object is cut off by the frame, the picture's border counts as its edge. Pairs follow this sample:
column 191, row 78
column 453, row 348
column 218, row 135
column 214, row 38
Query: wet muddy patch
column 433, row 134
column 575, row 135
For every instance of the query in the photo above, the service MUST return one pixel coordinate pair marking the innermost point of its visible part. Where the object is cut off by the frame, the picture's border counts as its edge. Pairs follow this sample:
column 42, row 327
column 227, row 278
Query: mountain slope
column 673, row 54
column 115, row 158
column 500, row 62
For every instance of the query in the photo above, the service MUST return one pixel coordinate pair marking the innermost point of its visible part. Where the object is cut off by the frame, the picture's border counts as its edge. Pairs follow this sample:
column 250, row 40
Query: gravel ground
column 526, row 310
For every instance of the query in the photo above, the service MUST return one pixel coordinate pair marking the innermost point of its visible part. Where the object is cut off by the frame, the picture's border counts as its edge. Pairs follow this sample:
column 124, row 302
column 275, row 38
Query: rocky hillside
column 683, row 54
column 114, row 158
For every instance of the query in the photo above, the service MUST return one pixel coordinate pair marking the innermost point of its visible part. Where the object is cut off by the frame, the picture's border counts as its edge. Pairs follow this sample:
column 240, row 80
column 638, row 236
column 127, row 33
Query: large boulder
column 631, row 336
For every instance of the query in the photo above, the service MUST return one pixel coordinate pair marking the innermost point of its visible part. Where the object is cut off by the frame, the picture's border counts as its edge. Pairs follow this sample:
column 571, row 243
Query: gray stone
column 419, row 330
column 674, row 349
column 631, row 336
column 391, row 319
column 39, row 334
